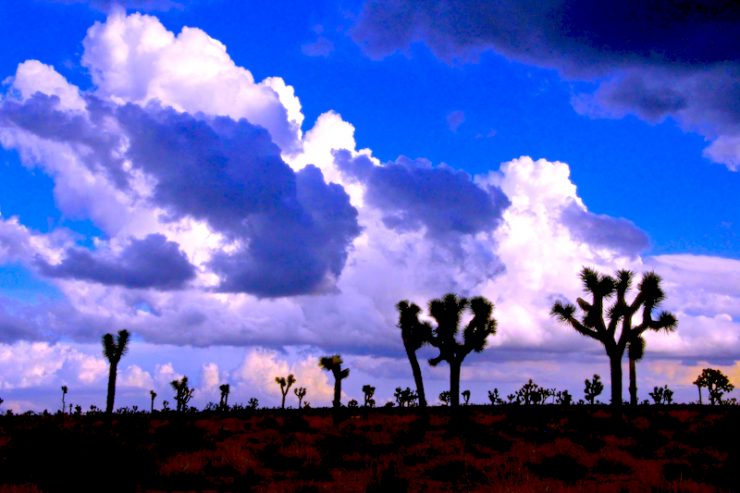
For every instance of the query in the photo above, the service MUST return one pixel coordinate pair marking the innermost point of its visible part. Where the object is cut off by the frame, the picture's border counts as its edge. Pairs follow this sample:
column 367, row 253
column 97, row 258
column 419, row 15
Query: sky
column 249, row 186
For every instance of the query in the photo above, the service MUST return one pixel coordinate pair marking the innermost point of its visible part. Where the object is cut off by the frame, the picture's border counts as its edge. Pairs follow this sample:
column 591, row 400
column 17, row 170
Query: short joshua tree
column 64, row 394
column 593, row 388
column 300, row 392
column 369, row 392
column 662, row 395
column 223, row 403
column 183, row 393
column 405, row 397
column 466, row 396
column 285, row 384
column 495, row 397
column 113, row 351
column 444, row 397
column 152, row 396
column 334, row 365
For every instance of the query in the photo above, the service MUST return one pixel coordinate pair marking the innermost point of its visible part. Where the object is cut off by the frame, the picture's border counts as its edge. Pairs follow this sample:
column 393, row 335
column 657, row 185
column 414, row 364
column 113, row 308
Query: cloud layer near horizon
column 226, row 224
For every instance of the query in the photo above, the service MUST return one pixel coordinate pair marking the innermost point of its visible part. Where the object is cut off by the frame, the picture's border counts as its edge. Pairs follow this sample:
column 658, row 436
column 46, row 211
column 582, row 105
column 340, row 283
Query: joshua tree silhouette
column 224, row 401
column 593, row 388
column 444, row 397
column 285, row 384
column 603, row 327
column 414, row 334
column 446, row 312
column 405, row 397
column 662, row 395
column 334, row 365
column 635, row 352
column 152, row 396
column 300, row 392
column 183, row 393
column 113, row 351
column 369, row 392
column 64, row 394
column 495, row 397
column 716, row 383
column 466, row 396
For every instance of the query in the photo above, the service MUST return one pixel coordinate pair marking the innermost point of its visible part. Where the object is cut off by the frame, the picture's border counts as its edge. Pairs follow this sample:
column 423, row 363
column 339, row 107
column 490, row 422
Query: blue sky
column 117, row 211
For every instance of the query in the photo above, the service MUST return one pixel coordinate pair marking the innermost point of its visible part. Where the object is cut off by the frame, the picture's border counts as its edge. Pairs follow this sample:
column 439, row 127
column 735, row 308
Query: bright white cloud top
column 239, row 245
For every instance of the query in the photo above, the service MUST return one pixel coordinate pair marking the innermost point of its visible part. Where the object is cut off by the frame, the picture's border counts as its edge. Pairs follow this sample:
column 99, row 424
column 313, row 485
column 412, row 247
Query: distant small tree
column 530, row 393
column 593, row 388
column 405, row 397
column 152, row 396
column 183, row 393
column 334, row 365
column 285, row 384
column 369, row 392
column 716, row 383
column 223, row 403
column 113, row 351
column 165, row 405
column 300, row 392
column 662, row 395
column 444, row 397
column 64, row 395
column 466, row 396
column 495, row 397
column 254, row 403
column 564, row 398
column 352, row 403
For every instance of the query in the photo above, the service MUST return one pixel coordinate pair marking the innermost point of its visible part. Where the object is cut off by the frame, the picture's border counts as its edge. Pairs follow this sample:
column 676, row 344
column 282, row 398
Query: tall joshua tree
column 635, row 352
column 334, row 365
column 369, row 392
column 414, row 334
column 224, row 401
column 183, row 393
column 113, row 351
column 716, row 383
column 446, row 312
column 614, row 329
column 152, row 396
column 285, row 384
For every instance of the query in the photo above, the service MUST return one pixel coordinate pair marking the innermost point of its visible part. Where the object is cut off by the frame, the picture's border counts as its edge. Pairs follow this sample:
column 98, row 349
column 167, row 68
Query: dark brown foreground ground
column 537, row 449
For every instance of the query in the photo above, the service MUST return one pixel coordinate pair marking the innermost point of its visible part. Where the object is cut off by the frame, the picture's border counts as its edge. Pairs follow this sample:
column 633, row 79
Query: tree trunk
column 337, row 403
column 633, row 382
column 151, row 406
column 699, row 387
column 455, row 382
column 283, row 403
column 416, row 370
column 111, row 388
column 615, row 367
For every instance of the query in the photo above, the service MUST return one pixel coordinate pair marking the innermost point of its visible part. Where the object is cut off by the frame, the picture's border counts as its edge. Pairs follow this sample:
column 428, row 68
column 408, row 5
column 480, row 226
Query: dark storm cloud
column 412, row 194
column 660, row 58
column 290, row 231
column 601, row 230
column 293, row 229
column 152, row 262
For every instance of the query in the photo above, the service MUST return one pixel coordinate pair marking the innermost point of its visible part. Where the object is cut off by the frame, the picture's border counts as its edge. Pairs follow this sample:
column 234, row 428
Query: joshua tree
column 369, row 392
column 183, row 393
column 352, row 403
column 635, row 352
column 113, row 351
column 64, row 394
column 716, row 383
column 254, row 403
column 285, row 385
column 334, row 365
column 414, row 334
column 604, row 326
column 405, row 397
column 662, row 395
column 593, row 389
column 444, row 397
column 300, row 392
column 466, row 396
column 224, row 402
column 446, row 312
column 563, row 398
column 495, row 397
column 152, row 396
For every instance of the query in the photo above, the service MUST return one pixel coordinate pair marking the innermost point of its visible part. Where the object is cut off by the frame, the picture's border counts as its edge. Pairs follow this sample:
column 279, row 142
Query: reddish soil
column 518, row 448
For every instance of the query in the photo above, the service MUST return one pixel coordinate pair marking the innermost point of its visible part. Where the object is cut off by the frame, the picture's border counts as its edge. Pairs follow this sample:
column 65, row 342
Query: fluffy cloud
column 677, row 61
